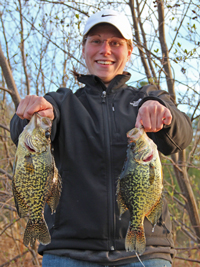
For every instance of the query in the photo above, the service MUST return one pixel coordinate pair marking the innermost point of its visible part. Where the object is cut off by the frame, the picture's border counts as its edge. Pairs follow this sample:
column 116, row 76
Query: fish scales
column 139, row 188
column 35, row 179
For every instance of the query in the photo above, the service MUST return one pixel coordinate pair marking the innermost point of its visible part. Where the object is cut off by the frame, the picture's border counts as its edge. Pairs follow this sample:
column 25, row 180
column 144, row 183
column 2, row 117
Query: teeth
column 105, row 62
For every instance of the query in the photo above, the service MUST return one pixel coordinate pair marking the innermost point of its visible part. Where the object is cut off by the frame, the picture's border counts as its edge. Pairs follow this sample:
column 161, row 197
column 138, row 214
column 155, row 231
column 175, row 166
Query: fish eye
column 47, row 134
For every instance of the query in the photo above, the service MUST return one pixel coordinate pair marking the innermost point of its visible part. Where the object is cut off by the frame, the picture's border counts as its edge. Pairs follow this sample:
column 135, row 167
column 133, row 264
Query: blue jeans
column 58, row 261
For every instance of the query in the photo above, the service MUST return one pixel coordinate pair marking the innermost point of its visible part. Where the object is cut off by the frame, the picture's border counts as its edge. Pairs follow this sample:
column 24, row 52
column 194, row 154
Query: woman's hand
column 152, row 115
column 31, row 104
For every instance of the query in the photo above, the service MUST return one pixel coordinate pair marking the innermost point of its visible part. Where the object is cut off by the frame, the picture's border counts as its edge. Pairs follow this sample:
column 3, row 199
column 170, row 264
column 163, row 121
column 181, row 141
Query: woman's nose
column 105, row 48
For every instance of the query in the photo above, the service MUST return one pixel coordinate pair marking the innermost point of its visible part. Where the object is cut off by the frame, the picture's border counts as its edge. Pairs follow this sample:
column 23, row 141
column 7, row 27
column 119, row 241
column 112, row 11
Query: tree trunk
column 9, row 79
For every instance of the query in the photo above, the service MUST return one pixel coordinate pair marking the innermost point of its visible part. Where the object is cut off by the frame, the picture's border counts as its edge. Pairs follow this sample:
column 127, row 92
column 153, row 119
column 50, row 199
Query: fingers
column 138, row 122
column 31, row 104
column 153, row 115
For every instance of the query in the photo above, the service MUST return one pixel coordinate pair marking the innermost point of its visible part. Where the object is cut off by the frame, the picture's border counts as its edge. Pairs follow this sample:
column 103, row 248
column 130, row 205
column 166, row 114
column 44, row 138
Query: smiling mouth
column 105, row 62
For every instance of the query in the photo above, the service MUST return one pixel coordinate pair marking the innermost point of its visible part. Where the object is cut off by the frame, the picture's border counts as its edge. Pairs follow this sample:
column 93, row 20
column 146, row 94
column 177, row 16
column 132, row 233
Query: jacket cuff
column 151, row 98
column 56, row 116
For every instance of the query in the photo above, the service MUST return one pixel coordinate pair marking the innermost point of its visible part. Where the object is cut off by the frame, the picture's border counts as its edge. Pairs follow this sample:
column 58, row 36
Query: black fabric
column 89, row 143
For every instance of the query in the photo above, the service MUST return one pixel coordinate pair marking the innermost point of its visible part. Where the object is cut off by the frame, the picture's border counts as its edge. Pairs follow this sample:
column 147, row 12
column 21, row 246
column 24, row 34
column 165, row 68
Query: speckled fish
column 35, row 178
column 139, row 188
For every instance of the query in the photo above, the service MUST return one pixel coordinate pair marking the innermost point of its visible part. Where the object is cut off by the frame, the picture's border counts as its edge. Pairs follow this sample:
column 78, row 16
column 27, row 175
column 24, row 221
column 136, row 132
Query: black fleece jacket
column 89, row 142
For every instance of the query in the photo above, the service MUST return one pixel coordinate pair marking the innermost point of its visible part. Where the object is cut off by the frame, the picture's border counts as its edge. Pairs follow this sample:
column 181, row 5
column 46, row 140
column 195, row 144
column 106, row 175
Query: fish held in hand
column 139, row 188
column 36, row 180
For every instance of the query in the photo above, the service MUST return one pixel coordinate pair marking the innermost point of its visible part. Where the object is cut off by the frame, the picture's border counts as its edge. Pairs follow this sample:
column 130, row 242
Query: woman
column 89, row 140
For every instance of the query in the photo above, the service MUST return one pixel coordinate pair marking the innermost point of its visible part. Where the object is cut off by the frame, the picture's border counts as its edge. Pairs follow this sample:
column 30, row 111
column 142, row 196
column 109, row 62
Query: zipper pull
column 103, row 96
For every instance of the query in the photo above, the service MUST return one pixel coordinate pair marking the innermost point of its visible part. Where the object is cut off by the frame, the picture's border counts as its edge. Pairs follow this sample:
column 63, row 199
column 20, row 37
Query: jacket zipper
column 109, row 172
column 114, row 118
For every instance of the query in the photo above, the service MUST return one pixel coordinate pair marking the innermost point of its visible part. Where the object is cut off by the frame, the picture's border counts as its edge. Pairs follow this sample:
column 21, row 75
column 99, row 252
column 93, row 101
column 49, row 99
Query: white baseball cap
column 112, row 17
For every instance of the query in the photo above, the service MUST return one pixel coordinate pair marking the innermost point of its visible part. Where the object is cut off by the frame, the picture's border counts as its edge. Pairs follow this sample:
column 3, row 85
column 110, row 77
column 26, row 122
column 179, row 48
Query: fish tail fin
column 135, row 240
column 36, row 230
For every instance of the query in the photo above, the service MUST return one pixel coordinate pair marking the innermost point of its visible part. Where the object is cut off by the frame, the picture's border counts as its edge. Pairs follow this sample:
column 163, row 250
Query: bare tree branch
column 196, row 108
column 187, row 259
column 154, row 79
column 172, row 161
column 6, row 42
column 195, row 145
column 49, row 39
column 22, row 49
column 137, row 36
column 4, row 127
column 14, row 259
column 165, row 52
column 8, row 207
column 185, row 231
column 63, row 3
column 186, row 189
column 188, row 248
column 7, row 174
column 6, row 90
column 8, row 226
column 180, row 25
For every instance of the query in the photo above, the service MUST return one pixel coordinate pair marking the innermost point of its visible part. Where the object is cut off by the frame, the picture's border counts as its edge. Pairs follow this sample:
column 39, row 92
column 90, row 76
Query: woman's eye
column 96, row 41
column 114, row 43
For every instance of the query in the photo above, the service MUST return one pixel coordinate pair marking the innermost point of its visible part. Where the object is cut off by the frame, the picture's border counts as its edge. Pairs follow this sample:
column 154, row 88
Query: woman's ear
column 129, row 54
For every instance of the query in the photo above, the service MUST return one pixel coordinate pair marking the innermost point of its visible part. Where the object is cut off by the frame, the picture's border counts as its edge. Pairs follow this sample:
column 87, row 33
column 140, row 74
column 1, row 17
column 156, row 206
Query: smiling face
column 105, row 52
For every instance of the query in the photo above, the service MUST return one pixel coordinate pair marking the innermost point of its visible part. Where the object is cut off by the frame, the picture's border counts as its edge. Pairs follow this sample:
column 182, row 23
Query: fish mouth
column 28, row 143
column 29, row 148
column 148, row 158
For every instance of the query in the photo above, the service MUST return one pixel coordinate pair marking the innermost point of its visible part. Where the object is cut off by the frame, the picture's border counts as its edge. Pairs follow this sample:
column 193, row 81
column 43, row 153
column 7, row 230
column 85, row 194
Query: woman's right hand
column 31, row 104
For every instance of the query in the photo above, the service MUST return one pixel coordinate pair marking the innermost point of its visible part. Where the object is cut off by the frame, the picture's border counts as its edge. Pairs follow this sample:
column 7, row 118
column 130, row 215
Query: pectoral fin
column 152, row 173
column 121, row 203
column 28, row 164
column 20, row 205
column 156, row 212
column 54, row 195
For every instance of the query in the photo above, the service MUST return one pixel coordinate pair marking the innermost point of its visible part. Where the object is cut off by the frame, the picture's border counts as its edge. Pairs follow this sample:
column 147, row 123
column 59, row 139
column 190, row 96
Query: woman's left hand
column 152, row 115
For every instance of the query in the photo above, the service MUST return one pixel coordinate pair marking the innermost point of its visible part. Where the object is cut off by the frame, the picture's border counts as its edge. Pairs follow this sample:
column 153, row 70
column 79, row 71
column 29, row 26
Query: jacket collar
column 95, row 84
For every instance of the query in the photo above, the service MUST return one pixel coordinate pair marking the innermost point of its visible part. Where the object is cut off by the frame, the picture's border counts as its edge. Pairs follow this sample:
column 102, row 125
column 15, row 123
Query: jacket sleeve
column 16, row 127
column 176, row 136
column 57, row 99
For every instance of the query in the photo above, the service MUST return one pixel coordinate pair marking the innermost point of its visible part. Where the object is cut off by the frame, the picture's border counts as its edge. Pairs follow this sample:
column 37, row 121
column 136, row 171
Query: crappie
column 139, row 187
column 35, row 178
